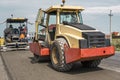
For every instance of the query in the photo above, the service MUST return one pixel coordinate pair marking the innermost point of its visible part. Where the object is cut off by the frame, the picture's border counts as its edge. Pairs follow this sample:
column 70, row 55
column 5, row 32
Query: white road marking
column 111, row 68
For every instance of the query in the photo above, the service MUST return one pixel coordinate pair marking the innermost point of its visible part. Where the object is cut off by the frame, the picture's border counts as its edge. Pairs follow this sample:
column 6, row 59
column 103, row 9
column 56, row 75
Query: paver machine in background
column 15, row 33
column 62, row 35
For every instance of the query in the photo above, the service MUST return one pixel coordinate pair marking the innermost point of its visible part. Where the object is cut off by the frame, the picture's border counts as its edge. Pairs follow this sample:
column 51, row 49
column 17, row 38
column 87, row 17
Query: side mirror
column 41, row 17
column 43, row 22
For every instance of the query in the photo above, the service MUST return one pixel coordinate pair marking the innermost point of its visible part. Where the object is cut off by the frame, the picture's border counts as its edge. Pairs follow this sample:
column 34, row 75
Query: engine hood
column 80, row 26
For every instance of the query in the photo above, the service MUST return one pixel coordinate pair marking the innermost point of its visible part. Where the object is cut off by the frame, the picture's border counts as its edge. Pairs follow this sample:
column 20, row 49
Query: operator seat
column 52, row 30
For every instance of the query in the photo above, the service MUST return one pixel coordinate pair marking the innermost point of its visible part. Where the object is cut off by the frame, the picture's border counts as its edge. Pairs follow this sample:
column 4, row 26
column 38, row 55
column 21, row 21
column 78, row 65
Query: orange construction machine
column 62, row 36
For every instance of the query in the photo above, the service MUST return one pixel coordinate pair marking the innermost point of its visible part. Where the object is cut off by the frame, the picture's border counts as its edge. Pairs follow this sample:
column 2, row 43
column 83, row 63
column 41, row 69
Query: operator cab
column 58, row 15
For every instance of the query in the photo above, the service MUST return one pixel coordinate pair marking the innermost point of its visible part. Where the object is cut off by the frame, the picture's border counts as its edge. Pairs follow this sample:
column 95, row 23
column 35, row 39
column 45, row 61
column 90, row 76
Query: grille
column 94, row 39
column 15, row 39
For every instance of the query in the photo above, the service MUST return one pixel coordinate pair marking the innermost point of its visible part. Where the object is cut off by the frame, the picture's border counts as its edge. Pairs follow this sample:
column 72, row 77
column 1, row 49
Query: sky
column 95, row 13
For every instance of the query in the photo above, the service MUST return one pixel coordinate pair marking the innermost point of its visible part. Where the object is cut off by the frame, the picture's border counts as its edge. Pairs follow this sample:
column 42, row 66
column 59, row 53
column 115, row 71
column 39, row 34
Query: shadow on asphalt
column 40, row 62
column 77, row 67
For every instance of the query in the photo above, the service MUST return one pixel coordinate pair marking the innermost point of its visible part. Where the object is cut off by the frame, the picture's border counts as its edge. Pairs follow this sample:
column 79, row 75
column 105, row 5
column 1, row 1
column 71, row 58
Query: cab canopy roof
column 54, row 8
column 16, row 20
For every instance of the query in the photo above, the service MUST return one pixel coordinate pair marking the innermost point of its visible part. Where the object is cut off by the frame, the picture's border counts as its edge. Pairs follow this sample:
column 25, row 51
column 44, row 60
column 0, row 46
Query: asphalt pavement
column 20, row 67
column 112, row 63
column 3, row 73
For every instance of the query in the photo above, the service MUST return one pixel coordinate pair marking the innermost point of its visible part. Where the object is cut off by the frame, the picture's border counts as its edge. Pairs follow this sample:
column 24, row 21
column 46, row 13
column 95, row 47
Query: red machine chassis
column 75, row 54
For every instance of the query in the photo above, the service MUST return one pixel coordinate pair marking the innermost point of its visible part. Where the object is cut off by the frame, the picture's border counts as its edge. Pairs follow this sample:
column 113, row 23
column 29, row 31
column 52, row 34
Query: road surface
column 20, row 67
column 3, row 73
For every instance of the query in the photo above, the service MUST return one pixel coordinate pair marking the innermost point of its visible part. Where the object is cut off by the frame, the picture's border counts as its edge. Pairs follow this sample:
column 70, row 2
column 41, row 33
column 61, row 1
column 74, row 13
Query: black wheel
column 91, row 63
column 57, row 56
column 35, row 59
column 38, row 58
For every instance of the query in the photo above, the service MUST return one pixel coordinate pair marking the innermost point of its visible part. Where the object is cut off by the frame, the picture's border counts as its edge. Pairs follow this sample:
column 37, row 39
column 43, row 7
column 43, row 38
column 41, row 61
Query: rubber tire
column 91, row 63
column 61, row 66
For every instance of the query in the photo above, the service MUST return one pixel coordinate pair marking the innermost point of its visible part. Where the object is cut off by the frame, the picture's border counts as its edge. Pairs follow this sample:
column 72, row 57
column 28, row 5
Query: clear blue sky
column 95, row 14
